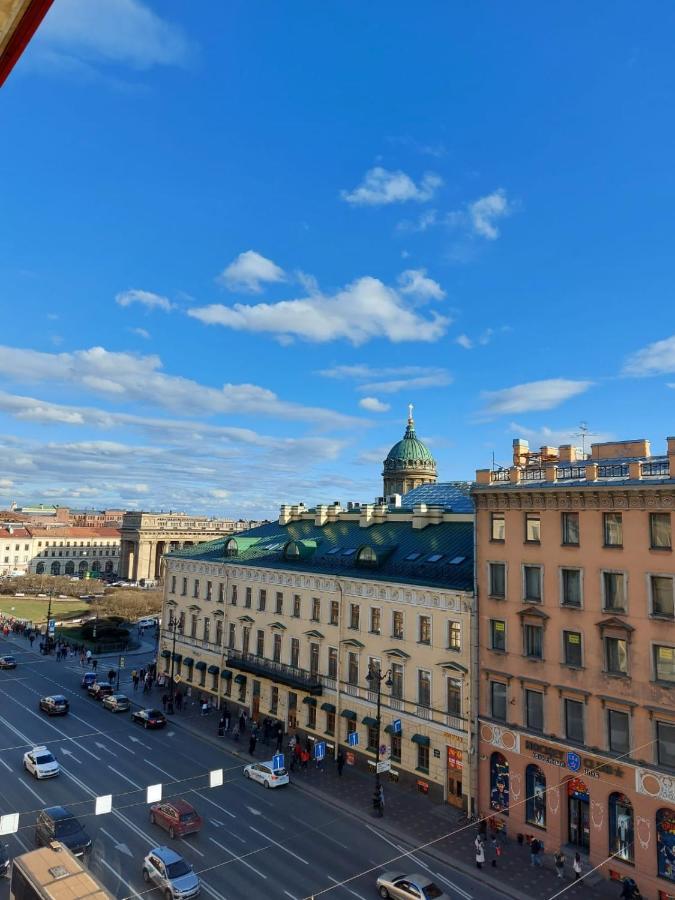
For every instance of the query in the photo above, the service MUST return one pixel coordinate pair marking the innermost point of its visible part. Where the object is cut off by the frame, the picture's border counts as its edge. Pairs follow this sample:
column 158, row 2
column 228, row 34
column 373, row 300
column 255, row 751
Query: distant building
column 42, row 514
column 409, row 463
column 75, row 551
column 16, row 548
column 96, row 518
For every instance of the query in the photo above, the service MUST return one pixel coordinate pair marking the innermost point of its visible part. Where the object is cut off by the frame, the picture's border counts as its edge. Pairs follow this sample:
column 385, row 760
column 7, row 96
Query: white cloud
column 543, row 436
column 464, row 341
column 219, row 494
column 249, row 271
column 372, row 404
column 654, row 359
column 483, row 339
column 381, row 187
column 423, row 222
column 415, row 283
column 362, row 311
column 145, row 298
column 141, row 332
column 81, row 34
column 396, row 379
column 486, row 211
column 535, row 395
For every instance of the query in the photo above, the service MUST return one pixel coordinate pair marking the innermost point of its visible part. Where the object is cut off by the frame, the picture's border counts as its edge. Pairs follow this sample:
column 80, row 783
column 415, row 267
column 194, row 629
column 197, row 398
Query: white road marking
column 290, row 895
column 117, row 874
column 212, row 891
column 136, row 741
column 453, row 886
column 34, row 793
column 237, row 836
column 22, row 842
column 335, row 881
column 9, row 768
column 280, row 846
column 102, row 734
column 193, row 848
column 118, row 844
column 234, row 856
column 97, row 758
column 160, row 769
column 71, row 755
column 122, row 775
column 213, row 803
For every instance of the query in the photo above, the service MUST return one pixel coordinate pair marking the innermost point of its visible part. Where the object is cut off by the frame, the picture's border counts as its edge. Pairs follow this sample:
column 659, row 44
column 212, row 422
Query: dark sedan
column 54, row 705
column 99, row 690
column 149, row 718
column 7, row 662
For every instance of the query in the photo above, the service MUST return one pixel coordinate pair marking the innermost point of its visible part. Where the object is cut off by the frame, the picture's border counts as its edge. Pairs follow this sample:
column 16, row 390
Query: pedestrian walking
column 205, row 708
column 576, row 865
column 535, row 850
column 179, row 701
column 496, row 850
column 379, row 800
column 111, row 676
column 559, row 860
column 304, row 759
column 235, row 732
column 340, row 761
column 141, row 674
column 94, row 664
column 226, row 720
column 480, row 855
column 221, row 726
column 31, row 639
column 251, row 744
column 165, row 700
column 242, row 723
column 88, row 657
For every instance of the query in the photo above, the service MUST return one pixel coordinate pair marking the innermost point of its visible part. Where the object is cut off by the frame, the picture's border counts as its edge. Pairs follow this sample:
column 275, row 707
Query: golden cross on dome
column 410, row 414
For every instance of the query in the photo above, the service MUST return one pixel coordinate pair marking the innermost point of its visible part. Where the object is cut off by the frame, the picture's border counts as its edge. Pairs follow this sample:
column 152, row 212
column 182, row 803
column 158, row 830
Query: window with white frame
column 454, row 635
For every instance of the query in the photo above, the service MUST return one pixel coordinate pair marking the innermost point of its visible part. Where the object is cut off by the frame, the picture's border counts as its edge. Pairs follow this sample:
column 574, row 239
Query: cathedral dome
column 409, row 463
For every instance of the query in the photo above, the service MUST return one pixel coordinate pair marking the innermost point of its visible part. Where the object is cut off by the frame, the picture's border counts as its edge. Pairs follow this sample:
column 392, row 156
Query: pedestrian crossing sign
column 353, row 738
column 278, row 761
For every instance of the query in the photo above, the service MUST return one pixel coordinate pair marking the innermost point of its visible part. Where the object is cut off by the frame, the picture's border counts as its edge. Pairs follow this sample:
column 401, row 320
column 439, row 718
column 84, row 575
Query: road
column 255, row 843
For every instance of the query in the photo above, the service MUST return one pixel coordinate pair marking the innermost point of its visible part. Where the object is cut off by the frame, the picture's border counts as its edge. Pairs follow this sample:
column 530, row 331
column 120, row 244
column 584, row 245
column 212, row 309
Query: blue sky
column 238, row 238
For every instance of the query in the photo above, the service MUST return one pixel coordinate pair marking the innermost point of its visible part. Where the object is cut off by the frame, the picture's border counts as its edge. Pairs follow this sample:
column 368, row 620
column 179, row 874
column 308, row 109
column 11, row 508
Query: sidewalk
column 412, row 818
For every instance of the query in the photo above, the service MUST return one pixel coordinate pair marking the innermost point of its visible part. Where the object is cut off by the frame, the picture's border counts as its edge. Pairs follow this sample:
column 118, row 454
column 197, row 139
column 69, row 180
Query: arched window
column 292, row 550
column 665, row 843
column 56, row 568
column 82, row 568
column 108, row 566
column 535, row 796
column 231, row 547
column 367, row 557
column 70, row 567
column 499, row 783
column 621, row 827
column 40, row 568
column 96, row 565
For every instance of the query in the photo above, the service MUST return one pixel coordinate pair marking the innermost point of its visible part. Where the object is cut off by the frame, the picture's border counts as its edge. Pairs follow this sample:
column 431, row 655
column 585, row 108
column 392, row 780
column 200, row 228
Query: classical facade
column 97, row 518
column 409, row 463
column 74, row 551
column 575, row 575
column 146, row 537
column 286, row 620
column 16, row 543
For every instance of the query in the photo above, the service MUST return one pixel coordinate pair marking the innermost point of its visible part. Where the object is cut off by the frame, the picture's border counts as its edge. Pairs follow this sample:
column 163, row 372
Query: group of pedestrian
column 496, row 848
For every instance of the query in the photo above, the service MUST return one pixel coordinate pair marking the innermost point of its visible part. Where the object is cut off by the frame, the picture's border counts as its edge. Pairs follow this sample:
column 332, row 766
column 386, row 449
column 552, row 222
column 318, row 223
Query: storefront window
column 578, row 822
column 535, row 802
column 621, row 827
column 665, row 843
column 499, row 783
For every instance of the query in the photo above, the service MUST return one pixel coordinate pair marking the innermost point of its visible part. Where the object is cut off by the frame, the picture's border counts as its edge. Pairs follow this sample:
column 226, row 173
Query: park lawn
column 35, row 610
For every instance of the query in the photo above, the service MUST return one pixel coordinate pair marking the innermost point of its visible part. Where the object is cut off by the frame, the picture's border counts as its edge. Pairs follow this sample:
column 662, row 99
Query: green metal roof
column 410, row 448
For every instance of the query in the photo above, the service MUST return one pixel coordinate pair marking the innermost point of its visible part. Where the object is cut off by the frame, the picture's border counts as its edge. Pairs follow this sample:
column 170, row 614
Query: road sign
column 384, row 765
column 353, row 738
column 320, row 750
column 52, row 627
column 122, row 662
column 396, row 726
column 278, row 761
column 176, row 678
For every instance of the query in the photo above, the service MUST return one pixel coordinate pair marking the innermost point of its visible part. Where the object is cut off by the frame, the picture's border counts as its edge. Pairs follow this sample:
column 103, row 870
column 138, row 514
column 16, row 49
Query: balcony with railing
column 188, row 641
column 292, row 676
column 408, row 707
column 596, row 471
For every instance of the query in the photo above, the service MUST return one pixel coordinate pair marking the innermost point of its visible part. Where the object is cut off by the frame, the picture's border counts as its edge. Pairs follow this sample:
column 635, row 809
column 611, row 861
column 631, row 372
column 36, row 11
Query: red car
column 177, row 817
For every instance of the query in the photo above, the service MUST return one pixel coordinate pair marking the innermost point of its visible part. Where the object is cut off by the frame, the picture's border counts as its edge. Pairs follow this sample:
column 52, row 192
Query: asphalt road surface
column 255, row 843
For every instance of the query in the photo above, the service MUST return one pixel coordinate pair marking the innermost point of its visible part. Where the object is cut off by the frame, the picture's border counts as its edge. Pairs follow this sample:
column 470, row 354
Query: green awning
column 348, row 714
column 310, row 701
column 328, row 707
column 420, row 739
column 247, row 619
column 189, row 661
column 369, row 721
column 226, row 674
column 166, row 654
column 213, row 670
column 240, row 679
column 177, row 657
column 278, row 625
column 389, row 729
column 200, row 665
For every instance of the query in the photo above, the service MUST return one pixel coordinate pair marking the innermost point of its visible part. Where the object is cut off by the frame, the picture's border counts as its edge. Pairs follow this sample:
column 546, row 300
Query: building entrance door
column 578, row 811
column 255, row 701
column 292, row 710
column 454, row 786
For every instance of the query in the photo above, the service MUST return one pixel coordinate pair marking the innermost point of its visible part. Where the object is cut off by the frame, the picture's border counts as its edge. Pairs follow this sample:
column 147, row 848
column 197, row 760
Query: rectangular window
column 249, row 598
column 570, row 583
column 260, row 643
column 183, row 592
column 664, row 664
column 424, row 635
column 534, row 710
column 454, row 636
column 279, row 603
column 497, row 579
column 397, row 681
column 262, row 600
column 173, row 584
column 533, row 641
column 233, row 598
column 659, row 531
column 371, row 739
column 296, row 606
column 397, row 625
column 532, row 528
column 353, row 668
column 613, row 529
column 574, row 720
column 422, row 758
column 330, row 723
column 662, row 596
column 618, row 731
column 351, row 728
column 193, row 626
column 195, row 593
column 532, row 584
column 354, row 611
column 395, row 745
column 207, row 629
column 311, row 716
column 316, row 609
column 276, row 648
column 332, row 662
column 209, row 590
column 245, row 639
column 454, row 697
column 375, row 614
column 423, row 688
column 572, row 648
column 274, row 700
column 498, row 634
column 314, row 660
column 219, row 632
column 498, row 700
column 665, row 744
column 221, row 592
column 570, row 528
column 616, row 656
column 614, row 587
column 497, row 527
column 295, row 652
column 181, row 622
column 334, row 612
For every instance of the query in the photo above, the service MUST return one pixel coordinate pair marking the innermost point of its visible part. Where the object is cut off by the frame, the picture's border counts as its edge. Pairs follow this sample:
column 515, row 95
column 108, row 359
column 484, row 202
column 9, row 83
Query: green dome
column 410, row 452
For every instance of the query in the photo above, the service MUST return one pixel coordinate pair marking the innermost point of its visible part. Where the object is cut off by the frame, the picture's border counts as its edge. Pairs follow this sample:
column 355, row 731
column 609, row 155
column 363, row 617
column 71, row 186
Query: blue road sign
column 353, row 738
column 278, row 761
column 396, row 726
column 320, row 750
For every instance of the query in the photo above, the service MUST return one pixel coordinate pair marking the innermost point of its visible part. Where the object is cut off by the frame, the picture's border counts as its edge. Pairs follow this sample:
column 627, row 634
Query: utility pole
column 375, row 678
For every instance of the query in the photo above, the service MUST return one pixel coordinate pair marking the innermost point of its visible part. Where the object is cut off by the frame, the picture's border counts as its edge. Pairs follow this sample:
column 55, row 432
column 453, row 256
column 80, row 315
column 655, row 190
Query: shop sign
column 587, row 765
column 454, row 758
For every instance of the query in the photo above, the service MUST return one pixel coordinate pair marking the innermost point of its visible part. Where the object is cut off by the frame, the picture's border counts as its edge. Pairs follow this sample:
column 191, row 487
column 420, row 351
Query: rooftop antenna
column 583, row 433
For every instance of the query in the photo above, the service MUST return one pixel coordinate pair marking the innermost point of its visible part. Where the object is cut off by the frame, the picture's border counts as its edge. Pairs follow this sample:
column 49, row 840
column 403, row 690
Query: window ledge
column 573, row 667
column 454, row 649
column 497, row 540
column 578, row 606
column 420, row 769
column 396, row 637
column 570, row 544
column 662, row 549
column 349, row 627
column 661, row 617
column 612, row 546
column 615, row 611
column 535, row 659
column 535, row 600
column 497, row 650
column 425, row 643
column 666, row 684
column 536, row 543
column 370, row 632
column 497, row 596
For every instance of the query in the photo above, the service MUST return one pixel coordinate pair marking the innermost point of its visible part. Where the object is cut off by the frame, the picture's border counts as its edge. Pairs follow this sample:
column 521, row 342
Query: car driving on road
column 266, row 774
column 409, row 887
column 149, row 718
column 177, row 816
column 117, row 702
column 100, row 689
column 7, row 662
column 40, row 763
column 54, row 705
column 87, row 679
column 171, row 873
column 56, row 823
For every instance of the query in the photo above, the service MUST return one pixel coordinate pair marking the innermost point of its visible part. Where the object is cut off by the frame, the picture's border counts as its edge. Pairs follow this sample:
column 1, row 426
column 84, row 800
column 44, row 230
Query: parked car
column 7, row 662
column 171, row 873
column 117, row 703
column 407, row 887
column 87, row 679
column 149, row 718
column 40, row 763
column 178, row 817
column 100, row 689
column 146, row 623
column 54, row 705
column 266, row 774
column 58, row 824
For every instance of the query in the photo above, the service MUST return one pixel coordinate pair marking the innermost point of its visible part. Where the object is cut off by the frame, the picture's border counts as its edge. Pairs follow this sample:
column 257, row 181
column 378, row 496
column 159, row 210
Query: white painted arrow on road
column 118, row 844
column 67, row 752
column 136, row 741
column 254, row 812
column 103, row 747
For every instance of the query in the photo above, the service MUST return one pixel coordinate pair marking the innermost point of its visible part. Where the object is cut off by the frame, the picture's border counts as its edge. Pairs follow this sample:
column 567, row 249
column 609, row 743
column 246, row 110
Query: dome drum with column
column 409, row 463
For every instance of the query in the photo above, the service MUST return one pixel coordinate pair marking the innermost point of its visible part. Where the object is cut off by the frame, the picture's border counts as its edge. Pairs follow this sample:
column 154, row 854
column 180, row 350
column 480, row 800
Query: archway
column 665, row 843
column 82, row 568
column 621, row 827
column 70, row 567
column 56, row 568
column 108, row 567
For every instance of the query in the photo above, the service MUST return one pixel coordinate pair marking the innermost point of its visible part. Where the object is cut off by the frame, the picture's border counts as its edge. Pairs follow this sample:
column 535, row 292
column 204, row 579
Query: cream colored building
column 285, row 620
column 74, row 551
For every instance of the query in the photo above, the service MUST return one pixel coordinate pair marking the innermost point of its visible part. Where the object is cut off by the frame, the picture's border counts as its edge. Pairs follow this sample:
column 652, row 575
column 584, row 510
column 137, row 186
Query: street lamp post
column 48, row 645
column 172, row 626
column 375, row 678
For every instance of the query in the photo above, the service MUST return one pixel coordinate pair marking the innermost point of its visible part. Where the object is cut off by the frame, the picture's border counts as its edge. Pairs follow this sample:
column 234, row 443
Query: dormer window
column 292, row 550
column 366, row 557
column 231, row 547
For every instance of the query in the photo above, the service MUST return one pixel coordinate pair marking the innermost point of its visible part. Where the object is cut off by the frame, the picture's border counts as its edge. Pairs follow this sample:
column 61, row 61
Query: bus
column 53, row 873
